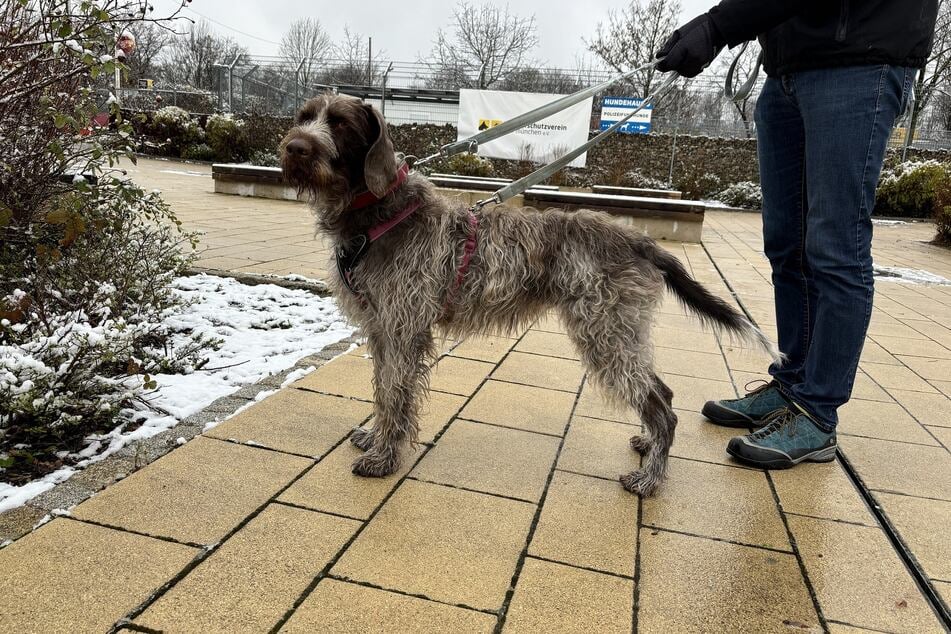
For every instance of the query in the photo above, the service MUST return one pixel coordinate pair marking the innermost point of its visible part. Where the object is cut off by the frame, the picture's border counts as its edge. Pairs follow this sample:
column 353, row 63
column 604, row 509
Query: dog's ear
column 379, row 167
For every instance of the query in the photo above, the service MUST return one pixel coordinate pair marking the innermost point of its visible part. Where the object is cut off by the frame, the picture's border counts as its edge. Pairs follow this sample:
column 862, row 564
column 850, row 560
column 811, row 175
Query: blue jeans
column 822, row 138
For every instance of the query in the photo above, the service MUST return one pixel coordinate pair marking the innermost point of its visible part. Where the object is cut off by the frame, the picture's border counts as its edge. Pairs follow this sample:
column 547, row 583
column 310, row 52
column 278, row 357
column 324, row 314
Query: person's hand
column 691, row 48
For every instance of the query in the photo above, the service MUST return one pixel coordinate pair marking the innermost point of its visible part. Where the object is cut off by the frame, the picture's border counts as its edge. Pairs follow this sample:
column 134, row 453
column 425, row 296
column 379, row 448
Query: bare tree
column 193, row 56
column 151, row 39
column 632, row 36
column 352, row 61
column 484, row 40
column 937, row 73
column 308, row 44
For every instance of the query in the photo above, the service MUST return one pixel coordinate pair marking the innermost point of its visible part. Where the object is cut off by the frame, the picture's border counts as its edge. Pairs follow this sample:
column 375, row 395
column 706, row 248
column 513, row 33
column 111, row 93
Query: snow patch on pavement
column 264, row 328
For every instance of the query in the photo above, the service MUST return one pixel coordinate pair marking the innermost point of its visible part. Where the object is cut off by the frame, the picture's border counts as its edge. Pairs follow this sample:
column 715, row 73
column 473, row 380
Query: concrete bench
column 636, row 191
column 662, row 219
column 476, row 184
column 251, row 180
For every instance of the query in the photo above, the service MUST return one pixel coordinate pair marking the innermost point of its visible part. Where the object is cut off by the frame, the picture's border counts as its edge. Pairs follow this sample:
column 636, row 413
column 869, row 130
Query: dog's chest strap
column 349, row 256
column 472, row 224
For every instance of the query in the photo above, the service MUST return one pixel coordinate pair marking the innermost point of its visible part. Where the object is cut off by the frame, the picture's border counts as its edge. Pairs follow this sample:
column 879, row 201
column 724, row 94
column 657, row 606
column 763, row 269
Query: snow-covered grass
column 264, row 329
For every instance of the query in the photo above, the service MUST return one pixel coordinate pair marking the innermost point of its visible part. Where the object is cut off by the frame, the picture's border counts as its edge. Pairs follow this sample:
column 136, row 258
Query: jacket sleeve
column 742, row 20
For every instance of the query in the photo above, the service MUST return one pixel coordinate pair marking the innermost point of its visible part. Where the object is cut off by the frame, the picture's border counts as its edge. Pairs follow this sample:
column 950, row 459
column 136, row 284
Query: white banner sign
column 540, row 142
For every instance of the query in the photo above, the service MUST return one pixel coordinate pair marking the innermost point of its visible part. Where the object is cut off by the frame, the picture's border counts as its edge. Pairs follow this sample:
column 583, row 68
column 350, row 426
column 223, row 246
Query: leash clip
column 348, row 257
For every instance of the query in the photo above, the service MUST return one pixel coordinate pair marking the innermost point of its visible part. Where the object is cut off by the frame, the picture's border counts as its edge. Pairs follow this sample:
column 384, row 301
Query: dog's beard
column 315, row 176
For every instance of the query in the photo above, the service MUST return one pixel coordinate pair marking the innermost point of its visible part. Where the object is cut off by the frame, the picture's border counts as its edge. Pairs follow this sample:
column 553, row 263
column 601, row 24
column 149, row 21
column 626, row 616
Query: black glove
column 691, row 48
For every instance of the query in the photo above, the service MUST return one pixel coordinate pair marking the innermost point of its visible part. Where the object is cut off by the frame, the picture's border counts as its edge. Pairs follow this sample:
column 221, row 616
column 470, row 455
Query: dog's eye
column 334, row 121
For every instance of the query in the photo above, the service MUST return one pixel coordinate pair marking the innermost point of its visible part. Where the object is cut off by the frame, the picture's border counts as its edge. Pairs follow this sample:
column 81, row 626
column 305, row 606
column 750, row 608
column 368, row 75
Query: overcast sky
column 405, row 30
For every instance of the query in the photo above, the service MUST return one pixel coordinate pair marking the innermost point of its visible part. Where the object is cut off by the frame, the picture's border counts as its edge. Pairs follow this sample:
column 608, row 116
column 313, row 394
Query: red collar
column 367, row 198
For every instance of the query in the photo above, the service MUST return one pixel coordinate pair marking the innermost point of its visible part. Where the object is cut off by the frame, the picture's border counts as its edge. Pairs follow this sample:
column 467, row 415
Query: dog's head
column 338, row 147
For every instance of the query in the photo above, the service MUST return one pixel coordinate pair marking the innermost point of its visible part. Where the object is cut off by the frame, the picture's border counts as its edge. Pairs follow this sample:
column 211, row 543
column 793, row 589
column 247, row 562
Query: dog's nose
column 299, row 148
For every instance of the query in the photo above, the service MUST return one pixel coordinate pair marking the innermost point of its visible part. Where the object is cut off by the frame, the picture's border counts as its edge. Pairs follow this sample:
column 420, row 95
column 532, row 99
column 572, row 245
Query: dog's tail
column 710, row 309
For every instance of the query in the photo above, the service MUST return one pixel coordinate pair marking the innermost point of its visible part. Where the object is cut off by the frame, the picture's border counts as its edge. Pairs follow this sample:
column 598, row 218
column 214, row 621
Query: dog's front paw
column 640, row 483
column 641, row 444
column 362, row 438
column 374, row 465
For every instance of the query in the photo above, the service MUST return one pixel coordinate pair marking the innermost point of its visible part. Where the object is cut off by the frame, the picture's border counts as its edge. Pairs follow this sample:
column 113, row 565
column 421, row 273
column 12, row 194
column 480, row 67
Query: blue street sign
column 613, row 109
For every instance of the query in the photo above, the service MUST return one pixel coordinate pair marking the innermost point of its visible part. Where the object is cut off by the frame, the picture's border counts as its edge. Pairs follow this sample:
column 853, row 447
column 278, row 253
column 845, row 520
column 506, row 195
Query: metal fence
column 418, row 93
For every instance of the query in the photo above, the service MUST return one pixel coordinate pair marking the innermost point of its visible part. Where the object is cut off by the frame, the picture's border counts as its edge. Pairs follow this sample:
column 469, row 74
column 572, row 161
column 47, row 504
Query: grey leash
column 742, row 93
column 544, row 173
column 472, row 143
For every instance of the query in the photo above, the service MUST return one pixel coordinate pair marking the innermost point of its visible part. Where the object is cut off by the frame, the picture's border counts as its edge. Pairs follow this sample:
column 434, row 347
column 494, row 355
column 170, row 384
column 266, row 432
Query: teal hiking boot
column 750, row 411
column 790, row 437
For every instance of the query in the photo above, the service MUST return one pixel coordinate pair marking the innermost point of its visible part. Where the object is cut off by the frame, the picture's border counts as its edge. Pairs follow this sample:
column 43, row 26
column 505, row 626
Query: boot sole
column 826, row 454
column 725, row 417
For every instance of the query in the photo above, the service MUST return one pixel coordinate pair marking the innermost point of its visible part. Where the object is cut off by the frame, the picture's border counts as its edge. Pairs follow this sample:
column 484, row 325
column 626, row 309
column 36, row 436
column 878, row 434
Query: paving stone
column 547, row 343
column 594, row 404
column 296, row 421
column 929, row 409
column 691, row 584
column 458, row 376
column 944, row 589
column 923, row 524
column 196, row 494
column 943, row 434
column 447, row 544
column 332, row 487
column 866, row 389
column 690, row 363
column 255, row 577
column 821, row 490
column 599, row 448
column 901, row 468
column 839, row 628
column 520, row 407
column 888, row 421
column 101, row 474
column 347, row 375
column 547, row 372
column 336, row 606
column 690, row 393
column 896, row 377
column 937, row 369
column 17, row 522
column 490, row 459
column 699, row 439
column 858, row 578
column 943, row 386
column 551, row 597
column 72, row 577
column 874, row 353
column 913, row 347
column 550, row 322
column 685, row 339
column 588, row 522
column 491, row 349
column 717, row 501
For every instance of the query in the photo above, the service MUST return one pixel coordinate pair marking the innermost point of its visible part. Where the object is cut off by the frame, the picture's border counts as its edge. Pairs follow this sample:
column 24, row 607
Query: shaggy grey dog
column 604, row 280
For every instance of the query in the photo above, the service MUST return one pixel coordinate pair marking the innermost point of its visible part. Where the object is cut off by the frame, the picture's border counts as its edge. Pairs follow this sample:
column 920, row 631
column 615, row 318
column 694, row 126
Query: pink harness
column 348, row 257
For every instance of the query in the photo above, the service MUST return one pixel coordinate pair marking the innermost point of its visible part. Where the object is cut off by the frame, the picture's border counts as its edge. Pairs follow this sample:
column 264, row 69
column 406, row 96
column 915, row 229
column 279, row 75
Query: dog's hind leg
column 615, row 347
column 400, row 377
column 660, row 421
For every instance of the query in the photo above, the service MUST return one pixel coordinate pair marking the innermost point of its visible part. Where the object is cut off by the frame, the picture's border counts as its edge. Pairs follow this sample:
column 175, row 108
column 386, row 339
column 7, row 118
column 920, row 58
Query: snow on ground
column 908, row 276
column 265, row 330
column 185, row 173
column 888, row 223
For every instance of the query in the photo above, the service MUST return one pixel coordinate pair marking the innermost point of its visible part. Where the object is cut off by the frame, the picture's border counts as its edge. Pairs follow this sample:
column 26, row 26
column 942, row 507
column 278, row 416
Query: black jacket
column 807, row 34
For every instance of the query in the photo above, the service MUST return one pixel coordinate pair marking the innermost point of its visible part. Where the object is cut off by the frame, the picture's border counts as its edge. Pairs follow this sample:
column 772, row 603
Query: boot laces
column 785, row 419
